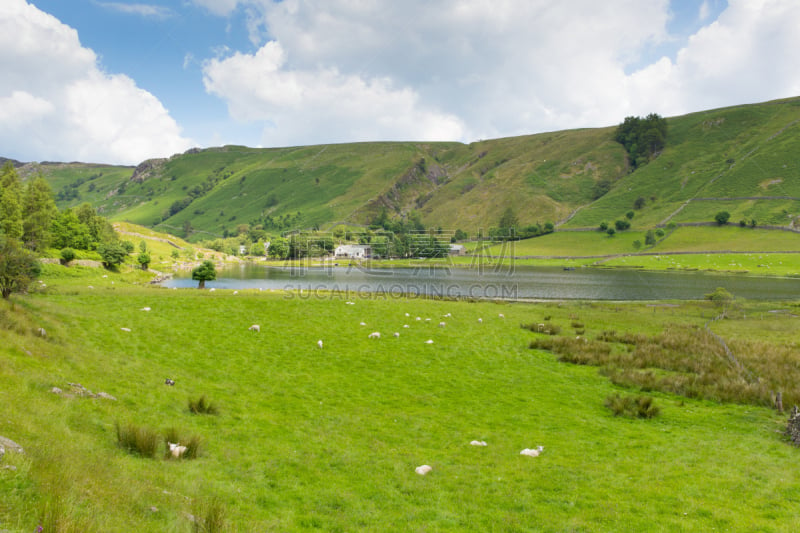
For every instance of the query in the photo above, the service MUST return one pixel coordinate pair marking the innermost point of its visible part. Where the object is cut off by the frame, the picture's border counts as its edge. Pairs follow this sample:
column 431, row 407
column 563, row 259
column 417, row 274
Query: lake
column 507, row 283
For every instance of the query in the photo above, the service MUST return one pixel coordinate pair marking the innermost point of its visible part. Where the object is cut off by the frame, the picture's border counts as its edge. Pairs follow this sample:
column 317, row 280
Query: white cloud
column 339, row 70
column 218, row 7
column 747, row 55
column 143, row 10
column 57, row 104
column 466, row 69
column 704, row 12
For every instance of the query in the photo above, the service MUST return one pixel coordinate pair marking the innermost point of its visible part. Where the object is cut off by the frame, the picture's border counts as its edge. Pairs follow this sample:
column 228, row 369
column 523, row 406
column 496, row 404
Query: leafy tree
column 127, row 246
column 720, row 297
column 549, row 227
column 637, row 244
column 460, row 235
column 630, row 215
column 603, row 226
column 611, row 232
column 38, row 212
column 100, row 229
column 10, row 202
column 67, row 231
column 278, row 248
column 204, row 272
column 650, row 238
column 722, row 217
column 18, row 267
column 143, row 246
column 601, row 188
column 639, row 202
column 144, row 260
column 112, row 253
column 508, row 223
column 642, row 138
column 174, row 254
column 622, row 224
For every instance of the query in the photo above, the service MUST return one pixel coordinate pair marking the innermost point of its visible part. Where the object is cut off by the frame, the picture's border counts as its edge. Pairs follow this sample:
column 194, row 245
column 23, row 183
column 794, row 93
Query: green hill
column 741, row 159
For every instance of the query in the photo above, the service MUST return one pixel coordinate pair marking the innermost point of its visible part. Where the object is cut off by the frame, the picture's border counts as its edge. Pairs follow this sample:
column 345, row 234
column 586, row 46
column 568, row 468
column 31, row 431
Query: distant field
column 728, row 238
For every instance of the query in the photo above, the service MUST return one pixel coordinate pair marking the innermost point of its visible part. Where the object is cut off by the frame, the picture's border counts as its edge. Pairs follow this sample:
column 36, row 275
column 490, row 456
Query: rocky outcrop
column 146, row 169
column 793, row 427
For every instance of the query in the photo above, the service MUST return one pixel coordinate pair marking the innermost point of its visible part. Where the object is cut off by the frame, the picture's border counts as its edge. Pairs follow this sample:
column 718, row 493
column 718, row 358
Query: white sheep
column 407, row 314
column 422, row 470
column 363, row 324
column 254, row 327
column 176, row 449
column 429, row 341
column 501, row 315
column 235, row 292
column 418, row 318
column 375, row 335
column 212, row 289
column 532, row 452
column 396, row 334
column 319, row 343
column 126, row 329
column 41, row 332
column 350, row 303
column 478, row 443
column 442, row 324
column 448, row 315
column 145, row 309
column 480, row 320
column 406, row 325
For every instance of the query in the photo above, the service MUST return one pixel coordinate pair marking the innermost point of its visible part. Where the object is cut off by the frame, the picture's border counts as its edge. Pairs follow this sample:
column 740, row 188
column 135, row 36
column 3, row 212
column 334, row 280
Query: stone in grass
column 9, row 444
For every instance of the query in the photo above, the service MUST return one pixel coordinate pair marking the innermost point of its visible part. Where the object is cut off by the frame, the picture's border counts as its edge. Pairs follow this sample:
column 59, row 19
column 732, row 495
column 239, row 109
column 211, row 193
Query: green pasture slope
column 328, row 439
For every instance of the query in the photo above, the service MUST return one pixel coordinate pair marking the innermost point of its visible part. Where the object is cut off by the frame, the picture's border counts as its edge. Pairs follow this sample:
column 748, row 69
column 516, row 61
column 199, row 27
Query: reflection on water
column 513, row 283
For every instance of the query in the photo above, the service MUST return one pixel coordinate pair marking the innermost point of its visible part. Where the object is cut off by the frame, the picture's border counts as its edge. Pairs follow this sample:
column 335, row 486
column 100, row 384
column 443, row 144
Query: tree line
column 30, row 224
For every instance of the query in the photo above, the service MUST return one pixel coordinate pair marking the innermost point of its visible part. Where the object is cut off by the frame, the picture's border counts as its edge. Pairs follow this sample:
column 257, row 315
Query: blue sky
column 122, row 81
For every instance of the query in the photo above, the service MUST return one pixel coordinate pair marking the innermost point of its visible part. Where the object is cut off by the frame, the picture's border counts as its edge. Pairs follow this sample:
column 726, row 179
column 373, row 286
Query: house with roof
column 353, row 251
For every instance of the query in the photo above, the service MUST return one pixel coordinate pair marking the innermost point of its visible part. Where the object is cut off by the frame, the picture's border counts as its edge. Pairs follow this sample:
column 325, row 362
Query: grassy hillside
column 740, row 159
column 328, row 439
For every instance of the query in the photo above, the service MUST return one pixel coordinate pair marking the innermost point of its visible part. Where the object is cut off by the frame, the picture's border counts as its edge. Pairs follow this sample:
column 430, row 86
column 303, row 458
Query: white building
column 457, row 249
column 353, row 251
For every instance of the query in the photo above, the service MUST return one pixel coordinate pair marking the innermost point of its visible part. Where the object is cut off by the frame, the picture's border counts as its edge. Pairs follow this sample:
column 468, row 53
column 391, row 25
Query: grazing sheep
column 145, row 309
column 406, row 325
column 375, row 335
column 407, row 314
column 480, row 320
column 478, row 443
column 176, row 449
column 418, row 318
column 396, row 334
column 442, row 324
column 501, row 315
column 532, row 452
column 427, row 320
column 212, row 289
column 41, row 332
column 429, row 341
column 319, row 343
column 170, row 382
column 362, row 324
column 126, row 329
column 254, row 327
column 422, row 470
column 448, row 315
column 350, row 303
column 235, row 292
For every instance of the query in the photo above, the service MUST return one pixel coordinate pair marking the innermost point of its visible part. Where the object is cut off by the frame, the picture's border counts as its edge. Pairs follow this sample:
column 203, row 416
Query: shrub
column 633, row 407
column 622, row 224
column 67, row 255
column 210, row 518
column 722, row 217
column 135, row 439
column 201, row 406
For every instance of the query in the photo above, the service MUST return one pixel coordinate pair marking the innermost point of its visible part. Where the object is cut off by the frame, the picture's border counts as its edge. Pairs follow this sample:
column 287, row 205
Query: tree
column 637, row 244
column 204, row 272
column 650, row 238
column 508, row 223
column 639, row 202
column 611, row 232
column 630, row 215
column 18, row 267
column 642, row 138
column 113, row 254
column 144, row 260
column 722, row 217
column 622, row 224
column 38, row 212
column 278, row 248
column 10, row 202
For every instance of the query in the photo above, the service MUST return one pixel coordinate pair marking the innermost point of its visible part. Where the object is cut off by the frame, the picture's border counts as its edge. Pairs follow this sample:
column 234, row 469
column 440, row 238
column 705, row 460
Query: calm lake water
column 516, row 282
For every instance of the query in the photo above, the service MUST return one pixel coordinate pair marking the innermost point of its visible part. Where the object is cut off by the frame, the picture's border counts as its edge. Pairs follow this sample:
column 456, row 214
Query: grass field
column 328, row 439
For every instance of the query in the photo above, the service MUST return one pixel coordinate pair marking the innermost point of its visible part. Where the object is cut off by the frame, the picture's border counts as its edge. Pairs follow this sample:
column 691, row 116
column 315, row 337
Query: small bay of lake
column 506, row 283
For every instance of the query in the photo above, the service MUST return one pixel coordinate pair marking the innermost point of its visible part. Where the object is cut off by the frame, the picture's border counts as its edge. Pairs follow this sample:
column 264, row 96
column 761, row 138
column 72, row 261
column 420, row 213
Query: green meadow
column 327, row 439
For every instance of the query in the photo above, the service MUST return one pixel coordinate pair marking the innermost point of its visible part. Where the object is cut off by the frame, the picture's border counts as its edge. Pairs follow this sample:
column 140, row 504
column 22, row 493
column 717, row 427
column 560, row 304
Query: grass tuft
column 201, row 406
column 632, row 407
column 136, row 439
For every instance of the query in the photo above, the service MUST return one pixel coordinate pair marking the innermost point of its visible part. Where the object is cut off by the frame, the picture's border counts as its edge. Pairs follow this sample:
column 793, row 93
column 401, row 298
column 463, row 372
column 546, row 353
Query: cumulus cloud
column 337, row 70
column 56, row 103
